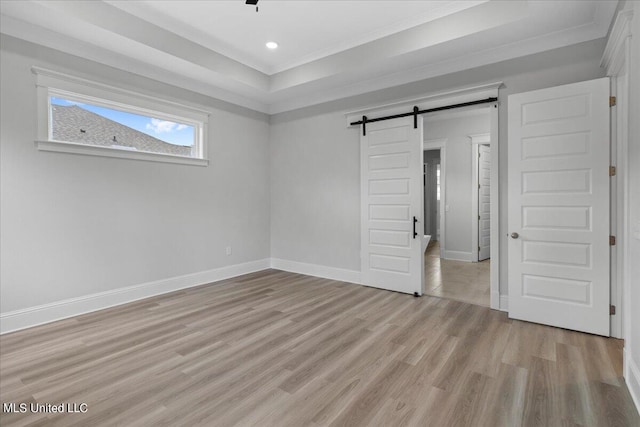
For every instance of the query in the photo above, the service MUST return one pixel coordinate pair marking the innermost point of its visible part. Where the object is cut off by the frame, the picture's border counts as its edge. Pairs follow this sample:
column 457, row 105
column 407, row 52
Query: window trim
column 52, row 83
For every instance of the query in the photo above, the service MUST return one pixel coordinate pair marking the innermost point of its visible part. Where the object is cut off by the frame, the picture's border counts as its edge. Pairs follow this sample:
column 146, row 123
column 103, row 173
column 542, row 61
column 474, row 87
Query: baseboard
column 494, row 301
column 46, row 313
column 458, row 256
column 632, row 378
column 316, row 270
column 504, row 302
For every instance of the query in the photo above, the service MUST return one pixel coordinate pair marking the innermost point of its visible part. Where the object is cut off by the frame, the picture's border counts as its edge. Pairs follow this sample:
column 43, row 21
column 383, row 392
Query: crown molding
column 399, row 59
column 613, row 57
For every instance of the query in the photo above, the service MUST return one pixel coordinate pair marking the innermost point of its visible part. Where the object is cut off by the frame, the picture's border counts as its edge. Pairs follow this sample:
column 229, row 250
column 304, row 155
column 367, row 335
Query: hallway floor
column 457, row 280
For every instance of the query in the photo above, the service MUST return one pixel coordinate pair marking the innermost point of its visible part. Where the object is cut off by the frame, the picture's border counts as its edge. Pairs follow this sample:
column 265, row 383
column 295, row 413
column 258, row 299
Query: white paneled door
column 392, row 205
column 559, row 206
column 484, row 202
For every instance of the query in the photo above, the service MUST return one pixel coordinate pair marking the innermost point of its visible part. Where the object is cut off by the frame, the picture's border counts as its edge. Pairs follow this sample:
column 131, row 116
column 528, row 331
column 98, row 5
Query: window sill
column 92, row 150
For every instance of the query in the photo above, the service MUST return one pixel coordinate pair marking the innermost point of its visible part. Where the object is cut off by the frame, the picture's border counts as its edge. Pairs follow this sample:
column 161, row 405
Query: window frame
column 55, row 84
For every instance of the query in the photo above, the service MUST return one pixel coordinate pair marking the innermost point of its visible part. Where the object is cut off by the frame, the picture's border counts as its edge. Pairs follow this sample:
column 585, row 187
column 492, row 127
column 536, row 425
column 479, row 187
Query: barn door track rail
column 417, row 111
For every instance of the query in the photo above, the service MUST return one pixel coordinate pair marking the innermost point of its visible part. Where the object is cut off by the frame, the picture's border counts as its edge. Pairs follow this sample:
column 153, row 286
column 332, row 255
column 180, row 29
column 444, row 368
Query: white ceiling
column 305, row 30
column 328, row 49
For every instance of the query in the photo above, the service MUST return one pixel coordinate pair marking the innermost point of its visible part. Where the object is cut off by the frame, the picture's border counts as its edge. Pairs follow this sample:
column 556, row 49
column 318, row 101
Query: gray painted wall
column 75, row 225
column 315, row 188
column 634, row 190
column 315, row 191
column 458, row 169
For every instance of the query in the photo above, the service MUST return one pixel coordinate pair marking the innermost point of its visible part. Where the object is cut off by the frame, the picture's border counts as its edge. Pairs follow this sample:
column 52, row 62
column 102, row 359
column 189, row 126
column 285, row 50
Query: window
column 82, row 117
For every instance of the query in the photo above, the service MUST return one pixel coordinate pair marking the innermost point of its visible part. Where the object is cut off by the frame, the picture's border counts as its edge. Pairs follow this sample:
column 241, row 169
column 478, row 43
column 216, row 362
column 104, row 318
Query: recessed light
column 272, row 45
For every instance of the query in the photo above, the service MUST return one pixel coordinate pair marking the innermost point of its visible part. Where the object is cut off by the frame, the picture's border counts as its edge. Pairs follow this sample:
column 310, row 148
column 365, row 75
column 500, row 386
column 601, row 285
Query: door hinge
column 612, row 240
column 612, row 310
column 612, row 101
column 478, row 217
column 478, row 249
column 478, row 186
column 612, row 171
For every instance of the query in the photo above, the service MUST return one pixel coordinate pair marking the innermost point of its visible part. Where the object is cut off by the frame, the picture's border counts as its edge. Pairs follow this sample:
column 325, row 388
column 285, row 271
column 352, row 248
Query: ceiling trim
column 478, row 59
column 429, row 50
column 162, row 19
column 442, row 11
column 40, row 36
column 416, row 39
column 612, row 60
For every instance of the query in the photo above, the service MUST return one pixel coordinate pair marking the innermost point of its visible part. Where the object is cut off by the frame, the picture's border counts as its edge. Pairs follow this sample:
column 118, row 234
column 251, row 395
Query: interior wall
column 77, row 225
column 315, row 204
column 458, row 179
column 633, row 305
column 74, row 225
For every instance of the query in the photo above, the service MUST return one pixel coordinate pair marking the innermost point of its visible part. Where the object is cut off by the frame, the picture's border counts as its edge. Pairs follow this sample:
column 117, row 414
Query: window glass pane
column 95, row 125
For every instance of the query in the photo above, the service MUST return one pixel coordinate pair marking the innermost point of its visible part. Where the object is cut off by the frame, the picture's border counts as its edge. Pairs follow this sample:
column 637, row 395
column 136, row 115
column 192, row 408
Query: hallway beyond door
column 457, row 280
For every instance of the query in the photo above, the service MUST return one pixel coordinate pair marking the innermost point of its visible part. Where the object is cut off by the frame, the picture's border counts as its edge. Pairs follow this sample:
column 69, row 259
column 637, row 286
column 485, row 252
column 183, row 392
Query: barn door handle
column 414, row 227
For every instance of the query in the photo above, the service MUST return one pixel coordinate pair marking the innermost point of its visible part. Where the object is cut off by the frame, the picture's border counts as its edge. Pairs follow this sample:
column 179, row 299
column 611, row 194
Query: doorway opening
column 457, row 204
column 392, row 146
column 432, row 193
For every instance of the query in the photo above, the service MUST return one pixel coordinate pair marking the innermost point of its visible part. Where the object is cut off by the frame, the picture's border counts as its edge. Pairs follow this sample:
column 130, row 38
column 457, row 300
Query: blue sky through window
column 164, row 130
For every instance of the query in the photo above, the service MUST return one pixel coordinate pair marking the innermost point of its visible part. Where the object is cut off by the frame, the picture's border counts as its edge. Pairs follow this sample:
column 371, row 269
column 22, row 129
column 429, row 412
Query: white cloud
column 164, row 126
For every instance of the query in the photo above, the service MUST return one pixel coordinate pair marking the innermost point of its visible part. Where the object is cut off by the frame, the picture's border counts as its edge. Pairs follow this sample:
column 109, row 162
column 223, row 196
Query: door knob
column 514, row 235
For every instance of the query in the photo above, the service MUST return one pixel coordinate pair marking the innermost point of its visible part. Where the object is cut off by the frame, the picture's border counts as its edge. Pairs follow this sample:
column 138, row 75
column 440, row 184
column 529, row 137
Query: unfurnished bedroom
column 319, row 213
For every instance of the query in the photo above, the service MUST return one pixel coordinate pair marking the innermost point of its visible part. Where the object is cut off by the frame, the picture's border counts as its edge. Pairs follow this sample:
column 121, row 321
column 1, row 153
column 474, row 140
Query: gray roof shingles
column 69, row 122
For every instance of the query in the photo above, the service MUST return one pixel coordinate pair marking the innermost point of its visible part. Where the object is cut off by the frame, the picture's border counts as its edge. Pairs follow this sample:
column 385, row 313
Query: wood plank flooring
column 458, row 280
column 282, row 349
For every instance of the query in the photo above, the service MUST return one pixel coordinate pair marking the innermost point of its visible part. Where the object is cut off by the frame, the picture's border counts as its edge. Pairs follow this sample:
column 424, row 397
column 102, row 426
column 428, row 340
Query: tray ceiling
column 327, row 49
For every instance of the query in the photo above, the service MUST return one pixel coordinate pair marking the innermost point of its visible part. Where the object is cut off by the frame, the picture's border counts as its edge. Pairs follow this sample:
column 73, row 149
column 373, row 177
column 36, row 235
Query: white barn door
column 559, row 206
column 392, row 196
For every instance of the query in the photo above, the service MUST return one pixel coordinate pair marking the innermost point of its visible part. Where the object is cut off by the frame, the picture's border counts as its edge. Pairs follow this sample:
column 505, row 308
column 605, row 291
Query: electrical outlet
column 228, row 250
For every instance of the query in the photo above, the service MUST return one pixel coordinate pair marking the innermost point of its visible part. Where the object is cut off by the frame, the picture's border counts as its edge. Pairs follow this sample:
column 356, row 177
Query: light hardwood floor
column 282, row 349
column 458, row 280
